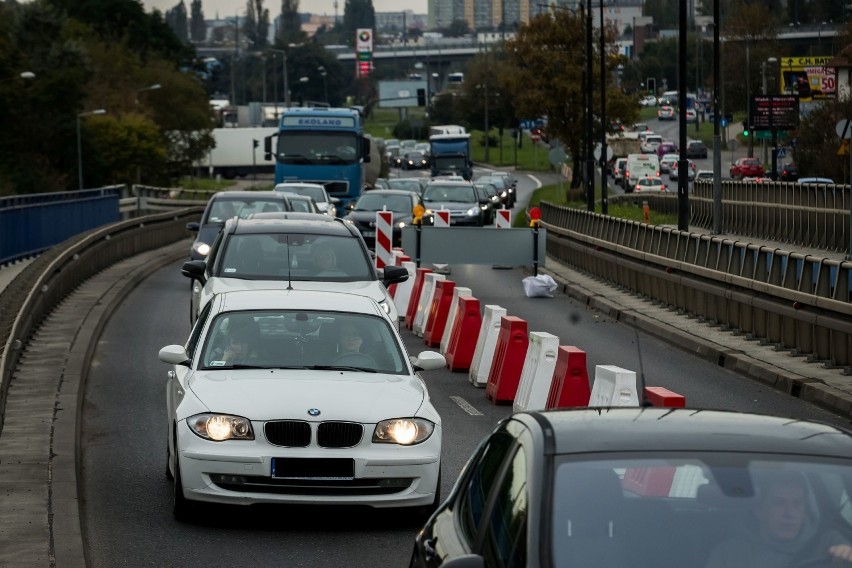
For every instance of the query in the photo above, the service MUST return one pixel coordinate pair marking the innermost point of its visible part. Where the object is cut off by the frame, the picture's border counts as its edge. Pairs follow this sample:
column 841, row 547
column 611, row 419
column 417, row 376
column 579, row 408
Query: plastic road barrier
column 402, row 291
column 424, row 305
column 570, row 384
column 464, row 334
column 509, row 355
column 483, row 355
column 503, row 219
column 438, row 312
column 458, row 291
column 663, row 397
column 384, row 238
column 537, row 372
column 414, row 300
column 399, row 259
column 614, row 386
column 442, row 218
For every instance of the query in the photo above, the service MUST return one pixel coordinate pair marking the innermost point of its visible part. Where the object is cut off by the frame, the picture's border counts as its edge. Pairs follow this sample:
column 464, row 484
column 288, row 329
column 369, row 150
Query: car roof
column 244, row 194
column 815, row 180
column 292, row 215
column 644, row 429
column 310, row 225
column 447, row 182
column 298, row 184
column 402, row 192
column 238, row 300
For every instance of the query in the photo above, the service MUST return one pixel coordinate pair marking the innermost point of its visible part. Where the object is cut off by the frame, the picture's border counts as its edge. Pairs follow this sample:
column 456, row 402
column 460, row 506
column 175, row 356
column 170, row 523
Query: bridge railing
column 794, row 302
column 61, row 269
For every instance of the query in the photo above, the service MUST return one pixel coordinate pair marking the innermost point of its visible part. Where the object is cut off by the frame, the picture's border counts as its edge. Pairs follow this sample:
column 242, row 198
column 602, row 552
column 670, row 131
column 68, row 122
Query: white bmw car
column 300, row 397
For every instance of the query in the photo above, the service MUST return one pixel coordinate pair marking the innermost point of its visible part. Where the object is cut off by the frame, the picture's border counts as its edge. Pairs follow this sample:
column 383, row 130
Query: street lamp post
column 324, row 82
column 284, row 69
column 80, row 147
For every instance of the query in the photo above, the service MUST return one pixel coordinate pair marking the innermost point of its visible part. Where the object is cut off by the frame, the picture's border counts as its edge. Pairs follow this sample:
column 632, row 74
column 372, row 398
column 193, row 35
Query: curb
column 64, row 510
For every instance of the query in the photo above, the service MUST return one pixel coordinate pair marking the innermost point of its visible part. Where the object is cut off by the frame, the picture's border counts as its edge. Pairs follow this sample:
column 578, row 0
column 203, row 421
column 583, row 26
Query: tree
column 358, row 14
column 457, row 28
column 290, row 29
column 178, row 21
column 256, row 24
column 817, row 144
column 197, row 27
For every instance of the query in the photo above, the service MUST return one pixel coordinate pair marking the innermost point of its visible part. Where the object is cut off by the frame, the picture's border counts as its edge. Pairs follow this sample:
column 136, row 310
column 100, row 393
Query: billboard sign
column 807, row 77
column 780, row 112
column 363, row 52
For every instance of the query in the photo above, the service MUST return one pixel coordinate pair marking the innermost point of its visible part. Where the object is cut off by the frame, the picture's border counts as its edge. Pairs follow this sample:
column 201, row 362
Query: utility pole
column 604, row 126
column 590, row 161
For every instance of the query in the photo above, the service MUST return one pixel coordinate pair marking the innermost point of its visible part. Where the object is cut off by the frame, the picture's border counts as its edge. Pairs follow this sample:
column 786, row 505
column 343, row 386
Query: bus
column 455, row 81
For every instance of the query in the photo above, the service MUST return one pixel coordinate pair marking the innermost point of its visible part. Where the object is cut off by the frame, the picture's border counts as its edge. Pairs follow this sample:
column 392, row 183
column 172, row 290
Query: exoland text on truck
column 321, row 145
column 450, row 154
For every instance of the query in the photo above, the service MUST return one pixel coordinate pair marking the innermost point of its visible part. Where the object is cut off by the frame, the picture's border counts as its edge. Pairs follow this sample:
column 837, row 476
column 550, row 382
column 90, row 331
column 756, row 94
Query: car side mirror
column 194, row 270
column 428, row 361
column 394, row 275
column 174, row 355
column 193, row 226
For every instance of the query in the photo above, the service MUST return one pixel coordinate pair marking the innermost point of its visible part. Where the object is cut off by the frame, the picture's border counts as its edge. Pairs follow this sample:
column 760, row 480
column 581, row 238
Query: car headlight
column 201, row 248
column 403, row 431
column 503, row 194
column 220, row 427
column 401, row 224
column 473, row 211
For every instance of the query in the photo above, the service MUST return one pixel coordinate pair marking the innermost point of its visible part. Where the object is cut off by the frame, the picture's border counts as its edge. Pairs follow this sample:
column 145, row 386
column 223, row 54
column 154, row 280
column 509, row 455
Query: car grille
column 297, row 434
column 289, row 433
column 328, row 487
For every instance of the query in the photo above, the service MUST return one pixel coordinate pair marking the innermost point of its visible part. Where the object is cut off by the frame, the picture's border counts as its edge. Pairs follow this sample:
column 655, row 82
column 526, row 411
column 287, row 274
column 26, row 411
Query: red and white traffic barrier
column 399, row 259
column 438, row 312
column 384, row 238
column 402, row 292
column 464, row 334
column 614, row 386
column 537, row 372
column 663, row 397
column 509, row 356
column 503, row 219
column 442, row 218
column 570, row 384
column 458, row 291
column 483, row 355
column 425, row 303
column 414, row 300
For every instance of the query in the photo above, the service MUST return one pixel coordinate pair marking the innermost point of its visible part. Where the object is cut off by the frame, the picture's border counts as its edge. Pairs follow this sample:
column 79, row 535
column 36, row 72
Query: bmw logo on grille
column 313, row 411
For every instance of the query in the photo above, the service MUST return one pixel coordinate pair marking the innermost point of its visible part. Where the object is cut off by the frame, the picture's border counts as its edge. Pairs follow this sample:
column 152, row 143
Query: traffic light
column 746, row 133
column 652, row 85
column 254, row 143
column 421, row 97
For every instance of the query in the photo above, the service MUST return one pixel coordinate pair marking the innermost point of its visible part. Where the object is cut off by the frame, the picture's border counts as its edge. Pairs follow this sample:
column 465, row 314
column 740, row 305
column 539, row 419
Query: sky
column 230, row 7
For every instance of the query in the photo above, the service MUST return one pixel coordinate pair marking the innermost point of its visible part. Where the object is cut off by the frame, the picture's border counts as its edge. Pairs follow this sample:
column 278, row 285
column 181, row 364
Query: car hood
column 271, row 394
column 371, row 288
column 367, row 216
column 450, row 205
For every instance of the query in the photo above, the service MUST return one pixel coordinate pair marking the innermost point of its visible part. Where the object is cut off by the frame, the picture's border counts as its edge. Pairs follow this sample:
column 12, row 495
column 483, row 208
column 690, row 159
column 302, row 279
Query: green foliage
column 816, row 151
column 358, row 14
column 290, row 24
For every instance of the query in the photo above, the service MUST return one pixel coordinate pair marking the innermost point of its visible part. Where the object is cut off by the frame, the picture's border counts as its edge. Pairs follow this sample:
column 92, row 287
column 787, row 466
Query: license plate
column 369, row 233
column 313, row 468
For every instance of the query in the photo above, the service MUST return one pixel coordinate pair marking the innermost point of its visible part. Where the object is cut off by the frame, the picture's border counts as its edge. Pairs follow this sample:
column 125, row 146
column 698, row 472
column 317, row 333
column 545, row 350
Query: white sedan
column 326, row 204
column 300, row 397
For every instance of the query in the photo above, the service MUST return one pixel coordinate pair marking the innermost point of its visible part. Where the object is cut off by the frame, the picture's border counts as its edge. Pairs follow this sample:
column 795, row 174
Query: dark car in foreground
column 647, row 487
column 398, row 201
column 227, row 204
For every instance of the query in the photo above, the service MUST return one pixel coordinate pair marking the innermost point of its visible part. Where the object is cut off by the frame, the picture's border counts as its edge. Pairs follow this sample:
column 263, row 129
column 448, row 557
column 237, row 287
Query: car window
column 374, row 202
column 223, row 209
column 450, row 194
column 277, row 256
column 302, row 339
column 317, row 193
column 711, row 509
column 407, row 185
column 195, row 335
column 505, row 537
column 481, row 482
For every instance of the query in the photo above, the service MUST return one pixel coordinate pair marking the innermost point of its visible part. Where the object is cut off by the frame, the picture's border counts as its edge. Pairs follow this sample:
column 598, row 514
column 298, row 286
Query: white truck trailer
column 238, row 153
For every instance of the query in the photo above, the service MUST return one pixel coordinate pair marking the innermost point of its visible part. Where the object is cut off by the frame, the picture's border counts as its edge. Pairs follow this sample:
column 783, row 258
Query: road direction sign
column 781, row 153
column 844, row 128
column 557, row 156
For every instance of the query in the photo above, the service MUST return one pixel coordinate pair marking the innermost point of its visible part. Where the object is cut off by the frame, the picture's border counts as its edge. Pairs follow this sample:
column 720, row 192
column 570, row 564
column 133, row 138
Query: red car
column 746, row 167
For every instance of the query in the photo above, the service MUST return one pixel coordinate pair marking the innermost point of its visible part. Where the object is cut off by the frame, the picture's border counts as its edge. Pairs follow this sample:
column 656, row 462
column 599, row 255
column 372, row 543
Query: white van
column 639, row 166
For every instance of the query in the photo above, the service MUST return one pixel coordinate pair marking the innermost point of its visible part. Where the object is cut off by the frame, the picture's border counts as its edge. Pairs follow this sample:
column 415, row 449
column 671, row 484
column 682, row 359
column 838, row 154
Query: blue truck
column 449, row 154
column 321, row 145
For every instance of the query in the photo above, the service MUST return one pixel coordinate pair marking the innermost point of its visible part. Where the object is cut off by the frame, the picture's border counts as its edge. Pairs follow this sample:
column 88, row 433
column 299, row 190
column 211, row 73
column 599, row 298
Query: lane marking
column 538, row 183
column 466, row 406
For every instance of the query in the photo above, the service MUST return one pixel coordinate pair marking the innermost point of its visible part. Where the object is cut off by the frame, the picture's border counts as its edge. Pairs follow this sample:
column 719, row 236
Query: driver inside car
column 350, row 340
column 784, row 530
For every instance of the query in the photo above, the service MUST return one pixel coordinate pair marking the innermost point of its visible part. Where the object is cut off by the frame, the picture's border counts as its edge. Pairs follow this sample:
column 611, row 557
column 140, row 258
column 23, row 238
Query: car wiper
column 246, row 366
column 340, row 368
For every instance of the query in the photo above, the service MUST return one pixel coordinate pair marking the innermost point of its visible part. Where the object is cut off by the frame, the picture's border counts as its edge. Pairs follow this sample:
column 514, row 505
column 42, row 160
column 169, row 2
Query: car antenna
column 289, row 267
column 643, row 400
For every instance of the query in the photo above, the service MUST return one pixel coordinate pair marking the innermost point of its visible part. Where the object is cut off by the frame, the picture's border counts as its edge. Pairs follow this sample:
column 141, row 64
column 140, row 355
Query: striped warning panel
column 384, row 238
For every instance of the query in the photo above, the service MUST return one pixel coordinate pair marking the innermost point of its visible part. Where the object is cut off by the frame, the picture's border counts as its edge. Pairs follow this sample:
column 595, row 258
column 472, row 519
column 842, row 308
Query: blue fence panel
column 31, row 224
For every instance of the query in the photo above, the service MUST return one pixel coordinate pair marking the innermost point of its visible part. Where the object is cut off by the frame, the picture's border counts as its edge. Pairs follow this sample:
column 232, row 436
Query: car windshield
column 311, row 191
column 294, row 256
column 450, row 194
column 395, row 203
column 223, row 209
column 304, row 339
column 318, row 148
column 709, row 510
column 405, row 184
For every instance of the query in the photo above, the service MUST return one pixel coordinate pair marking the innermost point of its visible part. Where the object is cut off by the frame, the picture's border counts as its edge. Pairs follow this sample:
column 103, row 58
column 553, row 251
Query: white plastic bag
column 541, row 286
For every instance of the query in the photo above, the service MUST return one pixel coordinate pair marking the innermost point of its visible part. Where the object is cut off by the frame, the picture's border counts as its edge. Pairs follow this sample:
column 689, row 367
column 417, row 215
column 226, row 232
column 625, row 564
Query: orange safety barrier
column 419, row 276
column 569, row 386
column 399, row 260
column 464, row 333
column 438, row 312
column 509, row 356
column 663, row 397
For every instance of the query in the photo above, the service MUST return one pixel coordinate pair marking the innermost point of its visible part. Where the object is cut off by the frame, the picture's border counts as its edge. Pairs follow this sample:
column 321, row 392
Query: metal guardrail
column 54, row 275
column 144, row 199
column 792, row 301
column 813, row 215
